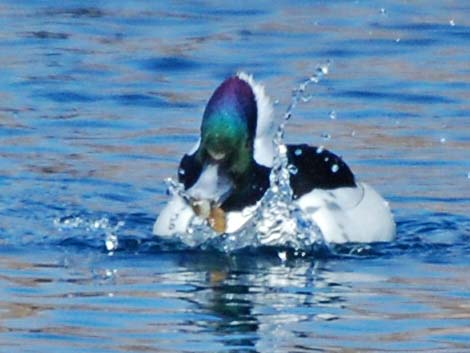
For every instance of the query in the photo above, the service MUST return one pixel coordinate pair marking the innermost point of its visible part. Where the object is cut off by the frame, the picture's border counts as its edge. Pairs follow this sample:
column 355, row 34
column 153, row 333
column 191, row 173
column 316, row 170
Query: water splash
column 111, row 242
column 275, row 220
column 86, row 225
column 281, row 221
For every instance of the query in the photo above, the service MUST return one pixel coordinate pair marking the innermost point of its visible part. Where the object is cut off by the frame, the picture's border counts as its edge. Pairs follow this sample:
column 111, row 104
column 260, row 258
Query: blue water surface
column 100, row 99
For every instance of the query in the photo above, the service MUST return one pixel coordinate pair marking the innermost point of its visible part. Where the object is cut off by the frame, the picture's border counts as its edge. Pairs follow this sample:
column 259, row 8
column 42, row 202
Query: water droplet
column 282, row 255
column 468, row 175
column 353, row 133
column 326, row 159
column 111, row 242
column 398, row 40
column 334, row 168
column 333, row 115
column 325, row 136
column 108, row 273
column 293, row 169
column 443, row 140
column 452, row 22
column 323, row 70
column 276, row 102
column 383, row 11
column 320, row 149
column 298, row 152
column 282, row 149
column 181, row 171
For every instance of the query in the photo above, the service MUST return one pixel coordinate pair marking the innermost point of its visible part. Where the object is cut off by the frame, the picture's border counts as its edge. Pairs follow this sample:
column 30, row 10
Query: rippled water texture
column 99, row 100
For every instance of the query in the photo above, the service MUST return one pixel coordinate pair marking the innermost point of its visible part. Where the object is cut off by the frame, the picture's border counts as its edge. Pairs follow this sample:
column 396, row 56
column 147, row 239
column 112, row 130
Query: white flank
column 344, row 215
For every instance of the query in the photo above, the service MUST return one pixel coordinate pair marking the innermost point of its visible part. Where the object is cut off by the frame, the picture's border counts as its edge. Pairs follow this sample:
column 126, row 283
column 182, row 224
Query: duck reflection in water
column 254, row 308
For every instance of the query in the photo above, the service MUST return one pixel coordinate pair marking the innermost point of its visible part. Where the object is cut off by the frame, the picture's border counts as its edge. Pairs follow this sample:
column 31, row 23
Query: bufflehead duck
column 228, row 171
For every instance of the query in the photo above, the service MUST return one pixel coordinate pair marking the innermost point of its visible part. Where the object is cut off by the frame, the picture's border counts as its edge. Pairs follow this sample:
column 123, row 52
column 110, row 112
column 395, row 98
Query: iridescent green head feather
column 229, row 126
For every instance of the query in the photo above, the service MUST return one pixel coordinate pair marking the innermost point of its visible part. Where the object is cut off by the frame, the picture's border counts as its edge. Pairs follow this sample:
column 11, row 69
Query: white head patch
column 263, row 147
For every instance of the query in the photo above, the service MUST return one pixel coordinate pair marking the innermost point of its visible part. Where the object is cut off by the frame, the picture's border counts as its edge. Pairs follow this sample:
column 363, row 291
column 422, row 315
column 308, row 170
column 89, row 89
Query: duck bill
column 217, row 156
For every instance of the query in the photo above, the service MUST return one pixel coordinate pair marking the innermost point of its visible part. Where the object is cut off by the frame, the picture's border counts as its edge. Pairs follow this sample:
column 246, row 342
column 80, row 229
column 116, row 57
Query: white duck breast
column 174, row 218
column 177, row 214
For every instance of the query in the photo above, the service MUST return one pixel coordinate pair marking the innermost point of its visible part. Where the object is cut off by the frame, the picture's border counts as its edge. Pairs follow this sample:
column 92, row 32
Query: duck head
column 236, row 138
column 228, row 127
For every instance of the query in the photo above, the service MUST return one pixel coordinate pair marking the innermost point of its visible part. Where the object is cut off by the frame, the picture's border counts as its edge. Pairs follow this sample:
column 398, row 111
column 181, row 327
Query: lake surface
column 100, row 99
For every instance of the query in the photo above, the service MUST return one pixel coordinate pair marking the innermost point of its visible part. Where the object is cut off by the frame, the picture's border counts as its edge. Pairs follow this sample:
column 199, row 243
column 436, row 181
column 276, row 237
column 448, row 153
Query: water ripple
column 166, row 64
column 400, row 97
column 98, row 101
